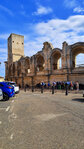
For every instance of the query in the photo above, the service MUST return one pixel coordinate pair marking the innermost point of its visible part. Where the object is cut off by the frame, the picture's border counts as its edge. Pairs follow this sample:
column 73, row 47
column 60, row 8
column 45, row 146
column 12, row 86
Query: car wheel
column 5, row 96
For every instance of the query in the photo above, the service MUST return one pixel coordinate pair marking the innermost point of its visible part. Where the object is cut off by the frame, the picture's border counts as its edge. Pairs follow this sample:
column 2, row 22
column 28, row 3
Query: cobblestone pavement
column 42, row 121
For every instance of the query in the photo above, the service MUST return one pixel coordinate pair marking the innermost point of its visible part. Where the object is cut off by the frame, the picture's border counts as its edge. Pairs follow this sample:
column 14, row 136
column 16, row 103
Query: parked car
column 8, row 90
column 1, row 94
column 16, row 88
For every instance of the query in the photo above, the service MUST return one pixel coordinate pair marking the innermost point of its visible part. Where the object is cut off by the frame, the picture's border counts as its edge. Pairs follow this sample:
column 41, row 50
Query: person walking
column 77, row 86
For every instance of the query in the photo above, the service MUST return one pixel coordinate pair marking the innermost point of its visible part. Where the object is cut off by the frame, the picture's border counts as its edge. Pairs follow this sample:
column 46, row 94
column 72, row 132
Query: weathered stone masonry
column 44, row 65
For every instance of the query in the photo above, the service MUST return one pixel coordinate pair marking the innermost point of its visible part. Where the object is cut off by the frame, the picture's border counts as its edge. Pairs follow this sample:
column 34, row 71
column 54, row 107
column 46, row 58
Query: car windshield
column 11, row 83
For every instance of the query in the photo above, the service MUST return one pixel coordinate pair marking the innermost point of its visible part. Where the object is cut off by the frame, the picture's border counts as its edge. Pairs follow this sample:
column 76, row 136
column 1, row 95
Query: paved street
column 42, row 121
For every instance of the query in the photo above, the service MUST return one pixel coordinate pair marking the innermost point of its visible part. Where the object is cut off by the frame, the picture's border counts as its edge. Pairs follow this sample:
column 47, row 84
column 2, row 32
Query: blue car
column 8, row 90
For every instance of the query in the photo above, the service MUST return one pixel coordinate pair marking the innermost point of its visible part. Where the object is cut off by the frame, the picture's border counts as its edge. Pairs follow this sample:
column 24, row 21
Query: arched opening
column 77, row 57
column 19, row 68
column 79, row 60
column 13, row 69
column 40, row 63
column 27, row 66
column 10, row 70
column 56, row 60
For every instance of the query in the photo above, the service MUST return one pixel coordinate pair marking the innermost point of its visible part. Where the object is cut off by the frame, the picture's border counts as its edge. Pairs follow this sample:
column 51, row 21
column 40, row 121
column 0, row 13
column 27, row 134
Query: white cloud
column 70, row 3
column 78, row 9
column 75, row 5
column 4, row 36
column 43, row 10
column 55, row 31
column 3, row 58
column 3, row 51
column 6, row 10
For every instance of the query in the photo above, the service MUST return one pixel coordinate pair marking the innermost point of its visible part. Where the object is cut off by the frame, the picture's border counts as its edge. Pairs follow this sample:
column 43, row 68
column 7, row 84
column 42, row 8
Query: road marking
column 7, row 109
column 11, row 137
column 12, row 117
column 47, row 117
column 12, row 100
column 0, row 122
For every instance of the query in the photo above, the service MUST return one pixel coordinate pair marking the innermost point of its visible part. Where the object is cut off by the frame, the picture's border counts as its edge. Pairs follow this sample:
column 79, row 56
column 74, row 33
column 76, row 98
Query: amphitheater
column 50, row 64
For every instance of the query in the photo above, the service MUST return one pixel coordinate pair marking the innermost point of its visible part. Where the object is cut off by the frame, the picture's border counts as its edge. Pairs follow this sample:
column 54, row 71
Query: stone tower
column 15, row 48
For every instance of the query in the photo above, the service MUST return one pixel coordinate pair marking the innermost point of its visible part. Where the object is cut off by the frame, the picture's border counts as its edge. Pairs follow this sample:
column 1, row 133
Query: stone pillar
column 64, row 55
column 69, row 61
column 47, row 52
column 65, row 60
column 33, row 65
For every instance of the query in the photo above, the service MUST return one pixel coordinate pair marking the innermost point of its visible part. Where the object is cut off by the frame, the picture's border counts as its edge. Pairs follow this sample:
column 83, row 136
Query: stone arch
column 40, row 63
column 13, row 69
column 76, row 50
column 19, row 68
column 55, row 58
column 10, row 70
column 27, row 65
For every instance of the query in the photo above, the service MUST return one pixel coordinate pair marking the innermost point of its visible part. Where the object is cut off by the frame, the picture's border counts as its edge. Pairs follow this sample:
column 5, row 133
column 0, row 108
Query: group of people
column 61, row 85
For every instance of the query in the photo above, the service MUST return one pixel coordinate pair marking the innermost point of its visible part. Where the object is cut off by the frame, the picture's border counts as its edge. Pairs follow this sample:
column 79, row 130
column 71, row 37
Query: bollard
column 66, row 93
column 52, row 89
column 25, row 88
column 32, row 88
column 83, row 93
column 42, row 89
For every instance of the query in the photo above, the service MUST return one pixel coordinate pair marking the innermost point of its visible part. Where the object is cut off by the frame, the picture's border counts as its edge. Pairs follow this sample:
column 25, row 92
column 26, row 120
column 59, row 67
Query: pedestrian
column 71, row 85
column 66, row 93
column 48, row 85
column 42, row 86
column 77, row 86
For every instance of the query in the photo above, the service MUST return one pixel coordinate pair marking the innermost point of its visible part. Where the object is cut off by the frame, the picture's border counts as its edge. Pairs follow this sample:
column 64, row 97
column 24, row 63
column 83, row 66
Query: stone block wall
column 43, row 66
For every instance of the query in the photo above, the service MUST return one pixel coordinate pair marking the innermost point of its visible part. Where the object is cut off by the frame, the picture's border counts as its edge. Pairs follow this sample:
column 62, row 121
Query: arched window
column 77, row 57
column 80, row 60
column 27, row 66
column 56, row 60
column 19, row 68
column 40, row 63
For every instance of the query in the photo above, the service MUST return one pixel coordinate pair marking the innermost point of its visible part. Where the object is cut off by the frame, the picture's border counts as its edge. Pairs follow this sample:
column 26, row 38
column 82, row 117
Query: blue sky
column 39, row 21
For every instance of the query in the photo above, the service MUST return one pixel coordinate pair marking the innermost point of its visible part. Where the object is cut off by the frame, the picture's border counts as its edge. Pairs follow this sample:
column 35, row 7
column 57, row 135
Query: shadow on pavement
column 78, row 99
column 2, row 100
